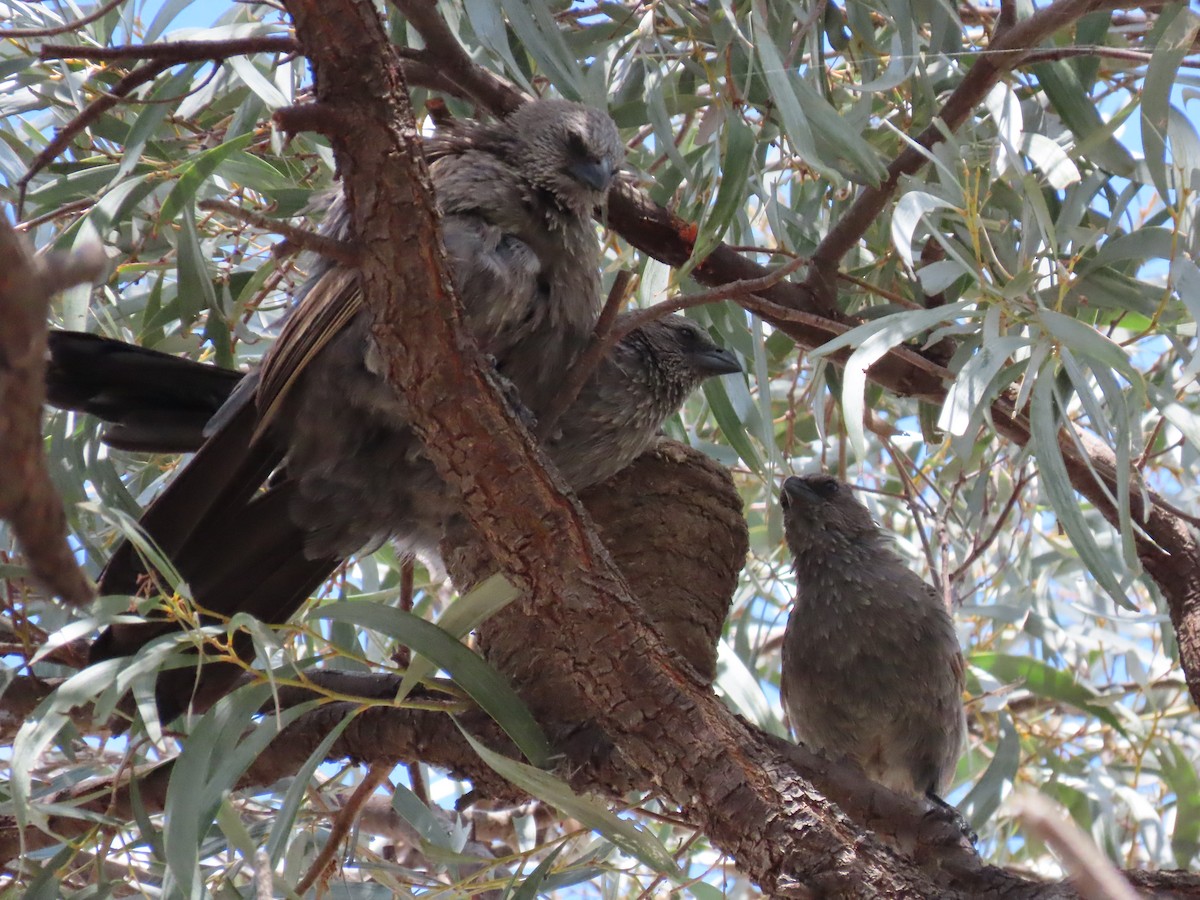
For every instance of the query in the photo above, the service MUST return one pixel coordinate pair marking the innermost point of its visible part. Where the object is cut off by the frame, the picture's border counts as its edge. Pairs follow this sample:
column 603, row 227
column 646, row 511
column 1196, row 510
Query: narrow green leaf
column 531, row 887
column 738, row 153
column 1176, row 33
column 1057, row 484
column 1180, row 773
column 731, row 424
column 990, row 788
column 539, row 34
column 1071, row 101
column 974, row 387
column 628, row 837
column 192, row 174
column 410, row 808
column 1088, row 341
column 195, row 276
column 462, row 617
column 285, row 819
column 483, row 684
column 1050, row 683
column 874, row 340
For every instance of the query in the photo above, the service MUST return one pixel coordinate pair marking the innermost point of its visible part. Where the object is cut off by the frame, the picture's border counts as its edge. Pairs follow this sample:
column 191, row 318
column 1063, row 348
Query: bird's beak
column 793, row 489
column 597, row 174
column 717, row 361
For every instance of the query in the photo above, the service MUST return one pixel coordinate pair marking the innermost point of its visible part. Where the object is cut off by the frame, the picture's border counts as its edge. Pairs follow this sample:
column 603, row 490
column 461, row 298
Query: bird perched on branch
column 642, row 381
column 872, row 669
column 154, row 402
column 516, row 199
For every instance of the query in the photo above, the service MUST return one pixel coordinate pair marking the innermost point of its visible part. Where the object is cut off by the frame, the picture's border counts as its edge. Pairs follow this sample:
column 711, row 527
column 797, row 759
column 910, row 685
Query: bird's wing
column 322, row 313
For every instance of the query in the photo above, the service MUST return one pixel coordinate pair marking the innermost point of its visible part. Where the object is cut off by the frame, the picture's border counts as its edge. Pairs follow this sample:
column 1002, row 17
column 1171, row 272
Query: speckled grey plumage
column 871, row 664
column 642, row 382
column 516, row 199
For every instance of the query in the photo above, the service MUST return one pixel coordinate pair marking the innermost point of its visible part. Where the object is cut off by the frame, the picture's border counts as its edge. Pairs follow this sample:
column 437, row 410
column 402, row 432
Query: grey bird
column 641, row 383
column 516, row 199
column 872, row 669
column 643, row 380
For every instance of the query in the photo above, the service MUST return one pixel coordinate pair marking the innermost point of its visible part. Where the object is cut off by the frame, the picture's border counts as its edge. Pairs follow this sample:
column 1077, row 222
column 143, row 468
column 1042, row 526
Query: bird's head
column 819, row 507
column 570, row 150
column 694, row 349
column 677, row 355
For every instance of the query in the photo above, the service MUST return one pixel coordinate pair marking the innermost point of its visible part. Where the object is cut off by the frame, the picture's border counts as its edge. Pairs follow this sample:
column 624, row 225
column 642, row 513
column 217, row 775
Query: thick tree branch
column 539, row 536
column 376, row 735
column 1171, row 554
column 28, row 498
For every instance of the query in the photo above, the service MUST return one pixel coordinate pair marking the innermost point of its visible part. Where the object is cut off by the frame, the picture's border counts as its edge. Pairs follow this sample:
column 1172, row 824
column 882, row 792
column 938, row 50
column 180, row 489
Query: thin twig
column 981, row 546
column 89, row 114
column 264, row 886
column 173, row 54
column 17, row 33
column 1092, row 875
column 603, row 342
column 441, row 44
column 173, row 51
column 589, row 359
column 776, row 313
column 875, row 289
column 342, row 825
column 300, row 238
column 734, row 290
column 66, row 209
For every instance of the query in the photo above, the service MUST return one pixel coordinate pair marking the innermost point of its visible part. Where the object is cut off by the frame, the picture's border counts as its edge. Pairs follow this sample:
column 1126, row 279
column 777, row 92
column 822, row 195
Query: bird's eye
column 825, row 489
column 576, row 144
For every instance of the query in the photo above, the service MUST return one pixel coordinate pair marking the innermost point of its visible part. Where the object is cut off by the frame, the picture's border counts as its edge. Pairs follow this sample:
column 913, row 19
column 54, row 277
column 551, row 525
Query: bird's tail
column 232, row 542
column 151, row 401
column 252, row 562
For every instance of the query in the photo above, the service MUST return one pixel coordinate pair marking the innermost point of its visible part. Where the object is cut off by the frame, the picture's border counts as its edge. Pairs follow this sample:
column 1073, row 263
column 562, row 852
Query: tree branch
column 28, row 498
column 99, row 13
column 173, row 52
column 903, row 371
column 541, row 537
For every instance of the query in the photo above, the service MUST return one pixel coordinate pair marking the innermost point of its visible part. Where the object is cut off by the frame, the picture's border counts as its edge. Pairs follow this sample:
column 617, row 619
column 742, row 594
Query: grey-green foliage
column 1054, row 251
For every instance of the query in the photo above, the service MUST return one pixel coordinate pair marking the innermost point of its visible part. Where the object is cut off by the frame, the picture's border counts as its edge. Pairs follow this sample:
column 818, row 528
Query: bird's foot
column 944, row 810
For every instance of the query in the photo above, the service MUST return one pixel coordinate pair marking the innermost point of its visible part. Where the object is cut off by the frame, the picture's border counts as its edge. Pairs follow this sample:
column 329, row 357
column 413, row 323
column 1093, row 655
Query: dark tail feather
column 152, row 401
column 254, row 563
column 205, row 497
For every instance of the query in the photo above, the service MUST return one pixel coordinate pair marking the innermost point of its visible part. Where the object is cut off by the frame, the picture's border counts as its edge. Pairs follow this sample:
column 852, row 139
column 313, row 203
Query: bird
column 871, row 669
column 319, row 422
column 642, row 381
column 638, row 384
column 154, row 402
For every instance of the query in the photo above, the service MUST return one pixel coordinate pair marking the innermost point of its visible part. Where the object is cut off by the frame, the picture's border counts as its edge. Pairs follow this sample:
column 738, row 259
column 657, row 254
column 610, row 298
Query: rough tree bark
column 746, row 795
column 791, row 839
